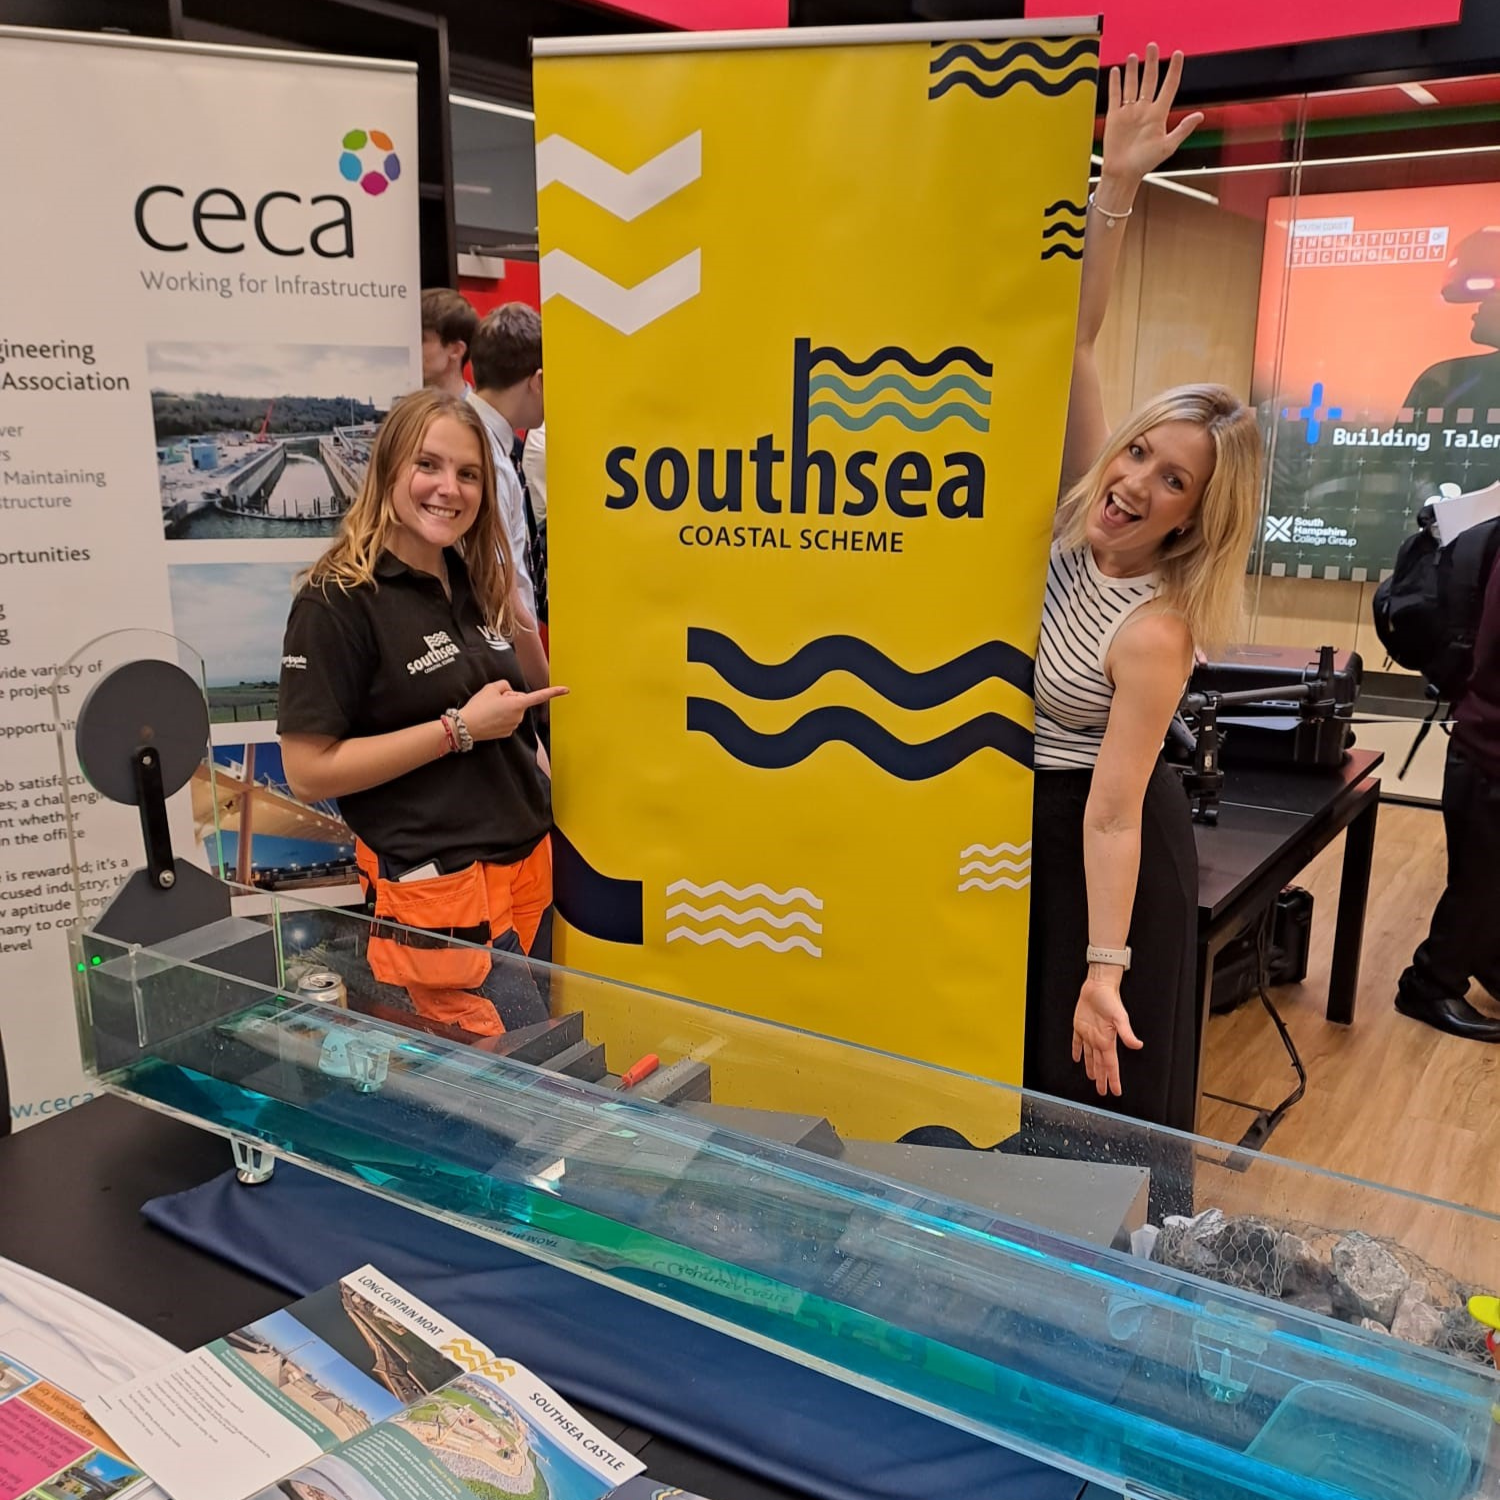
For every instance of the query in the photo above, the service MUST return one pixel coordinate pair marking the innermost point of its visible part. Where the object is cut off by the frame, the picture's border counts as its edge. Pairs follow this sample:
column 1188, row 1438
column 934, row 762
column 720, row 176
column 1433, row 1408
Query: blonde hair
column 1202, row 573
column 365, row 533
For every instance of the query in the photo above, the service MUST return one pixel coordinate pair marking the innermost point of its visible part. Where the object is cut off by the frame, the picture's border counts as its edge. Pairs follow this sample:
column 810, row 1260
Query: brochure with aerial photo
column 351, row 1394
column 50, row 1449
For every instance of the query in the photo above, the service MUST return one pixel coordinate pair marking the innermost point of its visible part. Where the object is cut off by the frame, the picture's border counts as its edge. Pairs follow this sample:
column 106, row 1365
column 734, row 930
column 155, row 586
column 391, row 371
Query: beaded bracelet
column 1110, row 219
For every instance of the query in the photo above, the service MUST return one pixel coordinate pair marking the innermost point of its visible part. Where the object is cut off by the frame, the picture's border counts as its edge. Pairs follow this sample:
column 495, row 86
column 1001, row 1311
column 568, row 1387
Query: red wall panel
column 1233, row 25
column 706, row 15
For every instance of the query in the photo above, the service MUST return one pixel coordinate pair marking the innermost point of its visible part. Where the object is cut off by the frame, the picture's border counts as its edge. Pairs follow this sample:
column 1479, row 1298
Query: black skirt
column 1158, row 1083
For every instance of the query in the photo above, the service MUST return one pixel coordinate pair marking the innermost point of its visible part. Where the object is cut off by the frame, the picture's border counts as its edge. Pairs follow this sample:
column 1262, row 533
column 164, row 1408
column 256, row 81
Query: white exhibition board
column 209, row 289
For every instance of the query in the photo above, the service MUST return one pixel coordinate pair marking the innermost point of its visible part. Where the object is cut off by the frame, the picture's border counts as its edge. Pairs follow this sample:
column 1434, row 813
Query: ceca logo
column 171, row 219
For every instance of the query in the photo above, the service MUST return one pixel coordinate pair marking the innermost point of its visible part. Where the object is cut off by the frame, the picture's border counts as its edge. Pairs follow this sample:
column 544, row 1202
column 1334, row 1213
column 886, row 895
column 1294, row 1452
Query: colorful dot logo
column 369, row 158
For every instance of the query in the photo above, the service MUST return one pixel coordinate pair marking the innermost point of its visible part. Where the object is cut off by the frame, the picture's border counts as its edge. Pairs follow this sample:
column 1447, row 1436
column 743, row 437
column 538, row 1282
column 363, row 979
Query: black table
column 71, row 1190
column 1273, row 822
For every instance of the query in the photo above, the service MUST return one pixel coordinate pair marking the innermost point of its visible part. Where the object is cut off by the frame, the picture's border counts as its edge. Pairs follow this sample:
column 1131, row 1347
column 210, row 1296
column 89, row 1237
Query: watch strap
column 1117, row 956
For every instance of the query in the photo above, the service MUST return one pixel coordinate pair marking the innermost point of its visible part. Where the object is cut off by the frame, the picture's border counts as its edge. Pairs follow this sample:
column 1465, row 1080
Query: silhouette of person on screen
column 1472, row 380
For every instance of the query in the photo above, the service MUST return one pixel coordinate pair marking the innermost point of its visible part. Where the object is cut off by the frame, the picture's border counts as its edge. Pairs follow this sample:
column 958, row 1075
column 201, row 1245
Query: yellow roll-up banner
column 809, row 304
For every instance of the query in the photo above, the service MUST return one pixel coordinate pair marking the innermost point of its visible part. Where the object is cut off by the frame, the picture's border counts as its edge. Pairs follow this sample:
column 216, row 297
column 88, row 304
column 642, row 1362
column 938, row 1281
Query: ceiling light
column 1329, row 161
column 464, row 101
column 1417, row 92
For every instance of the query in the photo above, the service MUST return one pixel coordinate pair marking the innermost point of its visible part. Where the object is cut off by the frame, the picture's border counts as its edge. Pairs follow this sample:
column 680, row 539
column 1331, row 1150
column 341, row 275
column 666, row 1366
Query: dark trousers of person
column 1159, row 1082
column 1463, row 942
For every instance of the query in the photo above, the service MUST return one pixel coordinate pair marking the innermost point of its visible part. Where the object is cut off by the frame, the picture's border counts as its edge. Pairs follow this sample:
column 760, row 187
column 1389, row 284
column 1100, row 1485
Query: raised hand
column 1136, row 138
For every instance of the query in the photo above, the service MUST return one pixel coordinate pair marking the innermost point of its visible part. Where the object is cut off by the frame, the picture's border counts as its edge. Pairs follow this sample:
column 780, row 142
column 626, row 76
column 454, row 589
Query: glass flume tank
column 1166, row 1315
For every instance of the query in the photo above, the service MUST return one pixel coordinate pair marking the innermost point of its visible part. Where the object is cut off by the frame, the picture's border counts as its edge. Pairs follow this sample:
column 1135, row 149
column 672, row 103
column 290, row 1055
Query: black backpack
column 1427, row 612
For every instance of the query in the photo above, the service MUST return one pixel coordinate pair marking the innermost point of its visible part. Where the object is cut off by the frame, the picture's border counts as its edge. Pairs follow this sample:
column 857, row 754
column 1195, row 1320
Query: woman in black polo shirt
column 401, row 696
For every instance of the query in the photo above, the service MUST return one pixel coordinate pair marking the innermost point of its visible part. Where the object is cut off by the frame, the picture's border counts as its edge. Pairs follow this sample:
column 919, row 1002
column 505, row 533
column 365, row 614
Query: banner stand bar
column 206, row 49
column 813, row 36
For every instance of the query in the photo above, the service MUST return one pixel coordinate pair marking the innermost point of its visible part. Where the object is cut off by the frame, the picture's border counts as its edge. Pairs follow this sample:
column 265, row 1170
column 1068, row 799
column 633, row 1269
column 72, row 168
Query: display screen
column 1387, row 391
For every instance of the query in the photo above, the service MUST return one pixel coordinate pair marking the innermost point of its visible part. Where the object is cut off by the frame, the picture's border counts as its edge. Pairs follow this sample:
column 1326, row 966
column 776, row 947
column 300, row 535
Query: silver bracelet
column 460, row 731
column 1110, row 219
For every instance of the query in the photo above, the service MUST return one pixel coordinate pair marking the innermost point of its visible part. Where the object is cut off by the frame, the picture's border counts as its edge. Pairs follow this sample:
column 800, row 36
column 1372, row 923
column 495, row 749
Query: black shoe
column 1456, row 1017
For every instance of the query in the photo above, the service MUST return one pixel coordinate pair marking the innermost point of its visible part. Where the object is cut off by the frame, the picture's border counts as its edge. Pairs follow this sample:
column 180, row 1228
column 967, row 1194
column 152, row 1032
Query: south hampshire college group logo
column 369, row 158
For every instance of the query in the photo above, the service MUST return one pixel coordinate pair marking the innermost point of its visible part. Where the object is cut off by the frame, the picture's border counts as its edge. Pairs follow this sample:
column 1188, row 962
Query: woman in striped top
column 1148, row 562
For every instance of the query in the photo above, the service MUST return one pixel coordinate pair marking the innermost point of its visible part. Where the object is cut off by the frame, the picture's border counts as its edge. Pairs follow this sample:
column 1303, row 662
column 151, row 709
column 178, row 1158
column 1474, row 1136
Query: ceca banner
column 809, row 306
column 211, row 295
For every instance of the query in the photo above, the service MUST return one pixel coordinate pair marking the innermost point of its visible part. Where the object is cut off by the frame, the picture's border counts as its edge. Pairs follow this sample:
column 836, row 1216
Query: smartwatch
column 1120, row 957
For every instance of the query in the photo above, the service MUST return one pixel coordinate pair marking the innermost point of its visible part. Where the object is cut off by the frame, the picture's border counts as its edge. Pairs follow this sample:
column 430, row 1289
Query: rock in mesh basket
column 1354, row 1277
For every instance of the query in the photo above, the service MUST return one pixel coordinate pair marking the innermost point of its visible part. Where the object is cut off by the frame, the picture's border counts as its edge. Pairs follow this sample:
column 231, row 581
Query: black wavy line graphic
column 1081, row 209
column 832, row 356
column 1010, row 81
column 603, row 907
column 1063, row 227
column 847, row 653
column 920, row 762
column 1068, row 250
column 1083, row 47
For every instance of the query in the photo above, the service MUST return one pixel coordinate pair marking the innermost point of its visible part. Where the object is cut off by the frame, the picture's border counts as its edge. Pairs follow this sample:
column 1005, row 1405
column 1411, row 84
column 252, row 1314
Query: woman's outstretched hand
column 1100, row 1024
column 1136, row 138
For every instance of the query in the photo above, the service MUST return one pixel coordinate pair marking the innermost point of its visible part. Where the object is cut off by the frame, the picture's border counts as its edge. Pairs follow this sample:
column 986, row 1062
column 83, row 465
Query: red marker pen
column 640, row 1071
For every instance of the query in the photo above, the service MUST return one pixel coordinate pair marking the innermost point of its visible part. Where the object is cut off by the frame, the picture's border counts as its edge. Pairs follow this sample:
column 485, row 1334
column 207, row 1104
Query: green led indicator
column 80, row 968
column 96, row 960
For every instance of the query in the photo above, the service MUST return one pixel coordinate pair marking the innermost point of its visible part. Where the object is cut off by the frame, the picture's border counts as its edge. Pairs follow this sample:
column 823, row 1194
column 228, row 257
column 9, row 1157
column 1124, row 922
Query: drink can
column 325, row 986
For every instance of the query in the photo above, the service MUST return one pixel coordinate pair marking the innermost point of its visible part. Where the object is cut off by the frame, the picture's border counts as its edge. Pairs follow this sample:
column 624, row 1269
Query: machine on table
column 821, row 1199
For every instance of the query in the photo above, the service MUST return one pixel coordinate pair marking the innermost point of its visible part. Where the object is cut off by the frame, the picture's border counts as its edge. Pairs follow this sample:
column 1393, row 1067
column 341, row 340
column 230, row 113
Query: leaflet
column 359, row 1392
column 50, row 1449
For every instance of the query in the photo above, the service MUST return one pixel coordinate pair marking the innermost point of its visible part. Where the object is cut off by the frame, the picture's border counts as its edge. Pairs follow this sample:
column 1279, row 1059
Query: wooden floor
column 1388, row 1099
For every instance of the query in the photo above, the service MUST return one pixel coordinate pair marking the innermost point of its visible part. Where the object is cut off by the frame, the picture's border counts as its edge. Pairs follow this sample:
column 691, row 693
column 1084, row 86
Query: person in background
column 506, row 358
column 402, row 698
column 448, row 324
column 1463, row 941
column 534, row 482
column 1148, row 561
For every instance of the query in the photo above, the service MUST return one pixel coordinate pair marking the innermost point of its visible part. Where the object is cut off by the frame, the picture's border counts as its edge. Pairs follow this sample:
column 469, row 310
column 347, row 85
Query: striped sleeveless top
column 1082, row 613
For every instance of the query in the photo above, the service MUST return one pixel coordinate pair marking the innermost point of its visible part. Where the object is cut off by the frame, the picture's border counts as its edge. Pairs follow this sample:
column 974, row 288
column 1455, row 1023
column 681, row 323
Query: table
column 1273, row 821
column 72, row 1188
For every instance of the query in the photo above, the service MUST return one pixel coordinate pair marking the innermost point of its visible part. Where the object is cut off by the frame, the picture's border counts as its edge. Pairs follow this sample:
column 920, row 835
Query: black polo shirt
column 395, row 653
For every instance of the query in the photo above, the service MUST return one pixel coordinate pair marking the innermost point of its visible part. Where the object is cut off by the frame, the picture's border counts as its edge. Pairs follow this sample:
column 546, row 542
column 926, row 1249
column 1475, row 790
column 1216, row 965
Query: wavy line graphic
column 723, row 888
column 776, row 681
column 994, row 885
column 1052, row 90
column 1052, row 252
column 1073, row 231
column 978, row 867
column 753, row 914
column 1035, row 50
column 908, row 762
column 744, row 940
column 861, row 421
column 959, row 353
column 989, row 853
column 1081, row 209
column 894, row 382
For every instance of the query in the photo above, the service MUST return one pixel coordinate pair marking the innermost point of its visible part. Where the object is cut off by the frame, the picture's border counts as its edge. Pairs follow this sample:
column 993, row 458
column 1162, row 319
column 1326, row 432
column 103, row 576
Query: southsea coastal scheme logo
column 369, row 158
column 889, row 388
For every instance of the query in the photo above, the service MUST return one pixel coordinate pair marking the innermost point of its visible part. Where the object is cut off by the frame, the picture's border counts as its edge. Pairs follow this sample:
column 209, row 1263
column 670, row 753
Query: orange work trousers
column 433, row 937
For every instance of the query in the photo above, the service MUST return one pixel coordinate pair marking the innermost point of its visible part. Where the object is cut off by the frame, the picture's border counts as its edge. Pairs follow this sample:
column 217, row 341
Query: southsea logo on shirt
column 440, row 651
column 295, row 663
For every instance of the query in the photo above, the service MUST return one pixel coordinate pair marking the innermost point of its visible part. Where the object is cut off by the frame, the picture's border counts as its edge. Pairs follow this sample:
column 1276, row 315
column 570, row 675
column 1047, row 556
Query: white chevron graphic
column 985, row 853
column 739, row 918
column 744, row 940
column 978, row 867
column 976, row 884
column 626, row 195
column 722, row 888
column 627, row 308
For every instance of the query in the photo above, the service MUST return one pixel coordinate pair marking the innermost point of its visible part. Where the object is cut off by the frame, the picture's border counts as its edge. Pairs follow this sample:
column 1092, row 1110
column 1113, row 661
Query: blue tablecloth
column 662, row 1372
